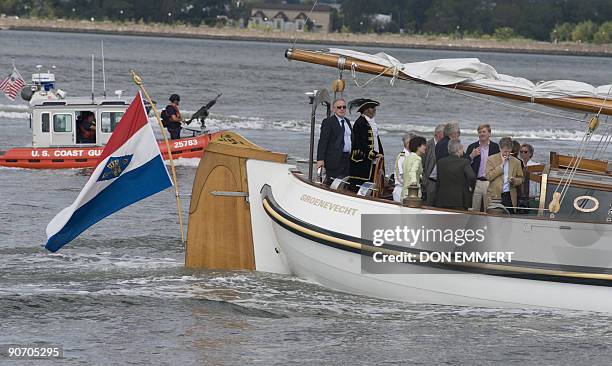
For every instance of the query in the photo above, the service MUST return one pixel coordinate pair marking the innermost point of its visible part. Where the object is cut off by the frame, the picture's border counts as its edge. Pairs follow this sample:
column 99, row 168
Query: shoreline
column 350, row 39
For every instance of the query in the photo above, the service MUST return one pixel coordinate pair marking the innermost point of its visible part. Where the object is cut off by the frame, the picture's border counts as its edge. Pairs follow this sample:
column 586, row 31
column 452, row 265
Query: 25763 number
column 181, row 144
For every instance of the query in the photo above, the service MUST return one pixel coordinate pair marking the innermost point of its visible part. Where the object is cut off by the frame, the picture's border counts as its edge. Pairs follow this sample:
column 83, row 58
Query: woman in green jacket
column 413, row 164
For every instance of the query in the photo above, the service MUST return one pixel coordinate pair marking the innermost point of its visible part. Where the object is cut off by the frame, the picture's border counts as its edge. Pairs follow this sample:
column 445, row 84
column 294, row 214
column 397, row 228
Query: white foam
column 14, row 107
column 14, row 115
column 97, row 261
column 234, row 122
column 189, row 162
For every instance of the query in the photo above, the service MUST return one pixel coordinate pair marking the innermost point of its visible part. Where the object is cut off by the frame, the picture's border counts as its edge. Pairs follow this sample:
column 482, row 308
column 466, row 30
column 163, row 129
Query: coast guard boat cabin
column 60, row 123
column 71, row 132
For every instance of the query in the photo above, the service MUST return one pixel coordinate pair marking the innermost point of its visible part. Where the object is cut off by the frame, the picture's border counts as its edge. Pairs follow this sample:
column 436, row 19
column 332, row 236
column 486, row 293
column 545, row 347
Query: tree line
column 546, row 20
column 534, row 19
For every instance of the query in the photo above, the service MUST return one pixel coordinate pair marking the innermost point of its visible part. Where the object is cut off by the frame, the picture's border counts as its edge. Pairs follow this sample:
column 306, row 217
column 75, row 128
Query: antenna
column 92, row 78
column 103, row 73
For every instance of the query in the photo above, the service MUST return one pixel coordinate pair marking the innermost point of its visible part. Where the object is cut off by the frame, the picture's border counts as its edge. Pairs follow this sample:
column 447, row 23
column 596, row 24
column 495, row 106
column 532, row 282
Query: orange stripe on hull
column 87, row 157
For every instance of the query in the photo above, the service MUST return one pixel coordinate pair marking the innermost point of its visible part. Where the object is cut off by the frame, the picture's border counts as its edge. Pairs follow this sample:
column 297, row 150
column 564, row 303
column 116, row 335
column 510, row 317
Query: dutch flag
column 130, row 168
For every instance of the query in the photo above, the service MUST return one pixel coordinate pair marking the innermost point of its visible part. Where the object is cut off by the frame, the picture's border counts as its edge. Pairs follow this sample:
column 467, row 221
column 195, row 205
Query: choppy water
column 119, row 293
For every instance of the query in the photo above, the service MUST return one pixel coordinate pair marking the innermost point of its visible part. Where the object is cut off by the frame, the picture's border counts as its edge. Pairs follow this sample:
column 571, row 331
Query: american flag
column 12, row 84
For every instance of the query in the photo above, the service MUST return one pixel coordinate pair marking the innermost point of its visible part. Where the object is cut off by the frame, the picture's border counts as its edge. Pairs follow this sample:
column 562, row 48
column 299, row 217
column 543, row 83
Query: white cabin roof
column 80, row 101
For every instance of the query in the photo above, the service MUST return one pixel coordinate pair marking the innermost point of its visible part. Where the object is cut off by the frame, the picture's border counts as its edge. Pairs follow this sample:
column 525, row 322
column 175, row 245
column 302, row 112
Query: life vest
column 165, row 117
column 89, row 134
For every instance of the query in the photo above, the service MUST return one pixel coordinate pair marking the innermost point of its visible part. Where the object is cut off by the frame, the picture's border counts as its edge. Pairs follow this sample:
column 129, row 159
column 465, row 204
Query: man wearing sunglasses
column 334, row 149
column 531, row 189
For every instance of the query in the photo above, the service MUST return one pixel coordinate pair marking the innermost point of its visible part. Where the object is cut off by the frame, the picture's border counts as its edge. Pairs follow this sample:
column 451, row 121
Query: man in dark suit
column 478, row 153
column 455, row 177
column 451, row 132
column 429, row 162
column 334, row 149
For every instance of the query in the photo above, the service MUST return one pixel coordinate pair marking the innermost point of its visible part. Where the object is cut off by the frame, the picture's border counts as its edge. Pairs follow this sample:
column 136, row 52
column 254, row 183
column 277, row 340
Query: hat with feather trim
column 361, row 104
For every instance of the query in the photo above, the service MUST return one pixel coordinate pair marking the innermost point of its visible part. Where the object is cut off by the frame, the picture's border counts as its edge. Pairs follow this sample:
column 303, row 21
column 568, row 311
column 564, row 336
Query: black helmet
column 175, row 97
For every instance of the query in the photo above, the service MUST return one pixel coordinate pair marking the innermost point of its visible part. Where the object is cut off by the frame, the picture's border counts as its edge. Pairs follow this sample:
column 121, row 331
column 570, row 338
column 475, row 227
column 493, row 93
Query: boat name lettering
column 328, row 205
column 180, row 144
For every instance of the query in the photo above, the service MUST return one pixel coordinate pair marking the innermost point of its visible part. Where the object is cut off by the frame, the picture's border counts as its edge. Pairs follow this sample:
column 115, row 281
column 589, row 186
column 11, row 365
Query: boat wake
column 14, row 107
column 234, row 122
column 221, row 122
column 14, row 115
column 188, row 162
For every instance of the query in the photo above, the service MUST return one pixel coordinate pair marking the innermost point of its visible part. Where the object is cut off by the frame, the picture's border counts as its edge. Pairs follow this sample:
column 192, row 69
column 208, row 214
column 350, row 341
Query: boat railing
column 560, row 161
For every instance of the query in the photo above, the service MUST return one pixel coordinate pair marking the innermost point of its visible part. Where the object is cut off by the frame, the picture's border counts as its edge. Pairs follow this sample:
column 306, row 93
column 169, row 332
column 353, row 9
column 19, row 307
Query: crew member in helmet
column 171, row 117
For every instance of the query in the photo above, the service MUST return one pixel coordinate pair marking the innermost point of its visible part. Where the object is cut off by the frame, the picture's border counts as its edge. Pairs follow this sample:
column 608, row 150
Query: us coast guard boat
column 56, row 143
column 251, row 210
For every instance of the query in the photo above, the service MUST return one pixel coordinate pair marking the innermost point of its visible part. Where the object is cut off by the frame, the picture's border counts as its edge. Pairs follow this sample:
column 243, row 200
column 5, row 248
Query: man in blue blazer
column 478, row 153
column 334, row 148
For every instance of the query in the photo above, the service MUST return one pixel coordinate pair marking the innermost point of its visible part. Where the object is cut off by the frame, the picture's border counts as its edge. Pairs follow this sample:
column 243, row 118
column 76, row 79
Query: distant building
column 382, row 19
column 290, row 17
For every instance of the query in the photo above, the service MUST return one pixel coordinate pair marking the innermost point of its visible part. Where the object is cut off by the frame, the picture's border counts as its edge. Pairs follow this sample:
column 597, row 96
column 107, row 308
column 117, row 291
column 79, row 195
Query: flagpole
column 138, row 82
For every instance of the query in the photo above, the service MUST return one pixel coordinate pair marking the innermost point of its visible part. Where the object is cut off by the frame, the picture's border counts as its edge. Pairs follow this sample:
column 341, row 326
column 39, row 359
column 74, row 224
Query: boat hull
column 341, row 270
column 302, row 228
column 556, row 267
column 87, row 157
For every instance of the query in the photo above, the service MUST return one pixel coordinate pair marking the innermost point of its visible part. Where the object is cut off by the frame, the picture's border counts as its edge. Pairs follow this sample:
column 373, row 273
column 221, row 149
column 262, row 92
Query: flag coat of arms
column 129, row 169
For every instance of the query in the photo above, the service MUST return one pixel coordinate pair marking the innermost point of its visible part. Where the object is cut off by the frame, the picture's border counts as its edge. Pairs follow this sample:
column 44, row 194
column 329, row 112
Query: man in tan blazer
column 504, row 174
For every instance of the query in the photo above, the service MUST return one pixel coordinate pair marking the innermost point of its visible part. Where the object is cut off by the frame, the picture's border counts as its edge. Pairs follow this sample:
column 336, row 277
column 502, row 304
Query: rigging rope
column 575, row 163
column 470, row 95
column 604, row 142
column 570, row 171
column 606, row 135
column 305, row 22
column 391, row 82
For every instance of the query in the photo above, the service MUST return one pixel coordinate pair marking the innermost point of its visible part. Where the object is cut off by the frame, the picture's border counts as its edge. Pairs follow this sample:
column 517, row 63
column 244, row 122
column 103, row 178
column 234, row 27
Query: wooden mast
column 592, row 105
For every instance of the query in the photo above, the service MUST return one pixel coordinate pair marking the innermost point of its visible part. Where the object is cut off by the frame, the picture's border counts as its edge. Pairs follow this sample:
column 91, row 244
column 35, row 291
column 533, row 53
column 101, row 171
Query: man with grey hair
column 451, row 132
column 334, row 148
column 429, row 163
column 455, row 179
column 399, row 163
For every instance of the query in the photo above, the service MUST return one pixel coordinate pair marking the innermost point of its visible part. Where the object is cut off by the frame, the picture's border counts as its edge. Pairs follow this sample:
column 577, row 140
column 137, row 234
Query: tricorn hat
column 362, row 104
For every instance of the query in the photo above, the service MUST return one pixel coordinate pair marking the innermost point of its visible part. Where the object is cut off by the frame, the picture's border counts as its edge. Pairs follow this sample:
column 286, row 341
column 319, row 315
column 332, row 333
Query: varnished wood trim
column 327, row 59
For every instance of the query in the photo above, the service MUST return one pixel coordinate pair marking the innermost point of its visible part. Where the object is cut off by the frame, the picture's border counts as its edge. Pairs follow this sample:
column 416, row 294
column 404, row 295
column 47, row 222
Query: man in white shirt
column 478, row 153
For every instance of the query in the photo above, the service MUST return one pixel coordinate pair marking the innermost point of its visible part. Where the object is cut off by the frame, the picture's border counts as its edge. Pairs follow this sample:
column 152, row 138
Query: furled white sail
column 473, row 72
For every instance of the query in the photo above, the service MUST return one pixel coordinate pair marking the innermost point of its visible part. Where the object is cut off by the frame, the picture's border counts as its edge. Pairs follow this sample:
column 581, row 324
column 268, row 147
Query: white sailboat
column 252, row 210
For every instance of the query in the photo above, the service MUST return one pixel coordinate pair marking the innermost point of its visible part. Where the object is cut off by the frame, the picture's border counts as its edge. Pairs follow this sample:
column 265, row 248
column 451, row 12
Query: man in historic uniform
column 366, row 145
